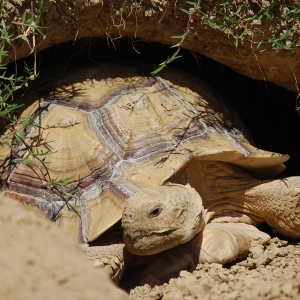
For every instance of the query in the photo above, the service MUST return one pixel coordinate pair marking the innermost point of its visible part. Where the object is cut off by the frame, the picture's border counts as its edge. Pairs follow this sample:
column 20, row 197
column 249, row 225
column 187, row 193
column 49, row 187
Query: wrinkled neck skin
column 223, row 188
column 160, row 218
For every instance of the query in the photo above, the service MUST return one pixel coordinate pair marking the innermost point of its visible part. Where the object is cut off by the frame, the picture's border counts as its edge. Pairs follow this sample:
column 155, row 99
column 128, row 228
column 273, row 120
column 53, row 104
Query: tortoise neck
column 224, row 189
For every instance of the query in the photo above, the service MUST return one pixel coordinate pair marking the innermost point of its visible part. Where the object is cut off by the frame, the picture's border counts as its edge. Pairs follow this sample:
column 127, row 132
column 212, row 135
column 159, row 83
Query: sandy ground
column 39, row 262
column 270, row 272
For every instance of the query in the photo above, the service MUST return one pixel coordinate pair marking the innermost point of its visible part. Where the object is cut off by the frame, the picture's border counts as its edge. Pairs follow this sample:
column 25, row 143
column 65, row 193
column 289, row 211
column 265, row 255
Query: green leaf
column 24, row 17
column 157, row 70
column 177, row 36
column 192, row 3
column 236, row 41
column 259, row 43
column 176, row 45
column 186, row 11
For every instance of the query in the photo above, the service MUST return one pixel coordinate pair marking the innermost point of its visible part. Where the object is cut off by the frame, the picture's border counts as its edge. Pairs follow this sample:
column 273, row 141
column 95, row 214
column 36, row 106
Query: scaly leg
column 278, row 202
column 115, row 259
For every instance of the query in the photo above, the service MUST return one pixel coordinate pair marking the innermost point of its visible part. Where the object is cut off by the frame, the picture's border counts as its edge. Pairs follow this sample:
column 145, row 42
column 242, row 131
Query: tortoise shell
column 132, row 131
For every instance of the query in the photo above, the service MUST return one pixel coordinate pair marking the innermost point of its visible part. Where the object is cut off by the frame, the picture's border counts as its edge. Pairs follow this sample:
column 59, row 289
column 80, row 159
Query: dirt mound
column 266, row 32
column 38, row 261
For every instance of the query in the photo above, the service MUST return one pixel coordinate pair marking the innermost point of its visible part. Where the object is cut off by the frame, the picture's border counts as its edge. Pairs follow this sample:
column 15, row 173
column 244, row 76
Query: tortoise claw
column 111, row 258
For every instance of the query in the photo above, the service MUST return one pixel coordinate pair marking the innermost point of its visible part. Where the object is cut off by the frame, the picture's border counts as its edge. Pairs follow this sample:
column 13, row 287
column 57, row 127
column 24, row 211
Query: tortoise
column 165, row 153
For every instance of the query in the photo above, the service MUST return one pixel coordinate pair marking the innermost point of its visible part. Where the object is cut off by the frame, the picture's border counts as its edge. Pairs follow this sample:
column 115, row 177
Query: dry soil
column 270, row 272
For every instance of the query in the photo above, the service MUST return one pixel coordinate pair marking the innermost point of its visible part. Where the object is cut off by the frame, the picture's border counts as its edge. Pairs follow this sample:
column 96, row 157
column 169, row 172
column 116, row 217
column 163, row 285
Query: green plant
column 10, row 32
column 24, row 150
column 287, row 41
column 233, row 19
column 23, row 147
column 190, row 13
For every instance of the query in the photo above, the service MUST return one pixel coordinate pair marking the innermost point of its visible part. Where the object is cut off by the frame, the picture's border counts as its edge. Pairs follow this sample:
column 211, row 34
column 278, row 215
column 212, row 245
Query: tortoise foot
column 111, row 258
column 224, row 243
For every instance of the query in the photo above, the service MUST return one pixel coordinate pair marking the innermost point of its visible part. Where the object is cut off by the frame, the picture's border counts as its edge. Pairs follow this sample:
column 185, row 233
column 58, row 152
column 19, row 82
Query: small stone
column 231, row 296
column 224, row 277
column 173, row 296
column 287, row 288
column 275, row 292
column 289, row 275
column 198, row 291
column 265, row 288
column 188, row 298
column 185, row 274
column 298, row 277
column 223, row 287
column 155, row 294
column 216, row 266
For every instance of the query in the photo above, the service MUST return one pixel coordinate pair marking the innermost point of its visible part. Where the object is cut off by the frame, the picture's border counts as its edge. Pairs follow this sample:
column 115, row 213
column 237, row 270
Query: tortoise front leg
column 115, row 259
column 278, row 202
column 224, row 243
column 111, row 258
column 220, row 243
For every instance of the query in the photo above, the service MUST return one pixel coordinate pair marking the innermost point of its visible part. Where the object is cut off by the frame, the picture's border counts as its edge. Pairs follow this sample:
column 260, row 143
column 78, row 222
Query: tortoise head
column 159, row 218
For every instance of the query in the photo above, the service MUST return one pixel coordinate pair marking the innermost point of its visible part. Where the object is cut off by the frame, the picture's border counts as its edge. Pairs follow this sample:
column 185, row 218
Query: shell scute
column 139, row 123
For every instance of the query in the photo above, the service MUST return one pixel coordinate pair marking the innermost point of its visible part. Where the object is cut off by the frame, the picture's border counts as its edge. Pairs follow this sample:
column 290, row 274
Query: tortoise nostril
column 128, row 216
column 128, row 237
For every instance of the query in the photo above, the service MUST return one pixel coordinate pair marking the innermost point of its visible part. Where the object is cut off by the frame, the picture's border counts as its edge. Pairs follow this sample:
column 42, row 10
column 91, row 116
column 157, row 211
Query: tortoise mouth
column 148, row 244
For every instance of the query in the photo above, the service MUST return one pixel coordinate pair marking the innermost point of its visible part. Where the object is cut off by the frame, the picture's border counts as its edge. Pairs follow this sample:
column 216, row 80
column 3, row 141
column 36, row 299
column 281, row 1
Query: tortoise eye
column 155, row 212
